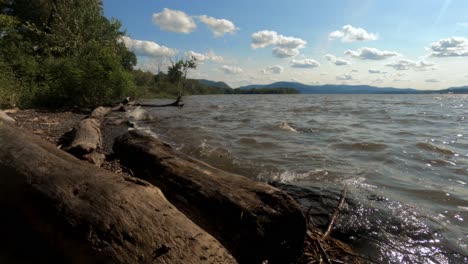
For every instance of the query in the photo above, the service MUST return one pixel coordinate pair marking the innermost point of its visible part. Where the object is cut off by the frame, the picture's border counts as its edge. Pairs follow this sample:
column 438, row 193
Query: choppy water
column 404, row 159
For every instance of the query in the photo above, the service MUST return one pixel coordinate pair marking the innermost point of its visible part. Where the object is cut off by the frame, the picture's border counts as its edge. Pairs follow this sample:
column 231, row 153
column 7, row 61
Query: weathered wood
column 253, row 220
column 6, row 118
column 87, row 138
column 82, row 214
column 100, row 112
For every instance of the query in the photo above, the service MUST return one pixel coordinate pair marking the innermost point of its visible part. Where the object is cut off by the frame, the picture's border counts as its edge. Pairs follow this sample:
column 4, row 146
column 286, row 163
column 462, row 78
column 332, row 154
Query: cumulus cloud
column 219, row 27
column 432, row 80
column 371, row 54
column 378, row 80
column 276, row 69
column 337, row 61
column 374, row 71
column 203, row 57
column 305, row 63
column 450, row 47
column 174, row 21
column 344, row 77
column 147, row 48
column 229, row 69
column 285, row 47
column 405, row 64
column 350, row 34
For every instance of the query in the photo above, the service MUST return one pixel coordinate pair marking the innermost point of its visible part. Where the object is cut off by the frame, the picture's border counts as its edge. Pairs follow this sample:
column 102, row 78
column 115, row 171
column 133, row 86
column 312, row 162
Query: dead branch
column 335, row 214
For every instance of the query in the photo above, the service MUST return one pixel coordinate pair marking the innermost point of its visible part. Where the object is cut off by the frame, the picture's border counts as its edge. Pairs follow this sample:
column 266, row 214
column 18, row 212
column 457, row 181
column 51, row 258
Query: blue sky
column 418, row 44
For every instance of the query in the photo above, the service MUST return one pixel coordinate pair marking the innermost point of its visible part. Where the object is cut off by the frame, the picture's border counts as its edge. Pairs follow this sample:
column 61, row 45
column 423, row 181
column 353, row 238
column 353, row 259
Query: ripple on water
column 432, row 148
column 360, row 146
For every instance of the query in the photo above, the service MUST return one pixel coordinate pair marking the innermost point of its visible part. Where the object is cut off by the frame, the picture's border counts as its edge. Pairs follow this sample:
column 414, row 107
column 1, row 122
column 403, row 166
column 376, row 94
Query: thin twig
column 335, row 214
column 324, row 253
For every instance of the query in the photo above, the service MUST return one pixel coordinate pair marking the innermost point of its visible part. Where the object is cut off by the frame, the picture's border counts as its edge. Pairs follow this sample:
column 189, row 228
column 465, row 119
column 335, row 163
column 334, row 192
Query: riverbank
column 52, row 126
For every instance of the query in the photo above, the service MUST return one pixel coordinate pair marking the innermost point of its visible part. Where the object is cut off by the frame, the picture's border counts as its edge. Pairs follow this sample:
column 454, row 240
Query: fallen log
column 178, row 103
column 253, row 220
column 86, row 141
column 100, row 112
column 78, row 213
column 6, row 118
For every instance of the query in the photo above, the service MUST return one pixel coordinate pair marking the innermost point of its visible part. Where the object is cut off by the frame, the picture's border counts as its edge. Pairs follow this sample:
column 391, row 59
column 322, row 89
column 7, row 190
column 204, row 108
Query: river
column 403, row 158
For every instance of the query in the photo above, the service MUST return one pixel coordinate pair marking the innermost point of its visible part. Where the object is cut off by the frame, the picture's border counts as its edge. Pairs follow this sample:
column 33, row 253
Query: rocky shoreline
column 194, row 188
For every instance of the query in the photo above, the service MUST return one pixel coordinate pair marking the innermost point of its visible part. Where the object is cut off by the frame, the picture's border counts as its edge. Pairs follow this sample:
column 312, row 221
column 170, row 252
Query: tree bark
column 84, row 214
column 253, row 220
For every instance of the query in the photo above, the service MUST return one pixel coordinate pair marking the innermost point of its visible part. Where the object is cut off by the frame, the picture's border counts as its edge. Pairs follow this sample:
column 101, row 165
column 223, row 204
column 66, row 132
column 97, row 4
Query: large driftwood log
column 253, row 220
column 78, row 213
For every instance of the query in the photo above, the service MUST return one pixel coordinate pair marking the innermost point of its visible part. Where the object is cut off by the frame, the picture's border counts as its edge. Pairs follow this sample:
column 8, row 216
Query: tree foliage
column 61, row 53
column 177, row 72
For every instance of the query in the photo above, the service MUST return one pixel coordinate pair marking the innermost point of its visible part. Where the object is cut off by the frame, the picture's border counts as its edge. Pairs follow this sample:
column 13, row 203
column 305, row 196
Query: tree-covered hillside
column 61, row 53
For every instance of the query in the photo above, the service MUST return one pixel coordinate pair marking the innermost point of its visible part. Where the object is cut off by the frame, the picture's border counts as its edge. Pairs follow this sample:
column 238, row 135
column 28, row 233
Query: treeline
column 65, row 53
column 58, row 53
column 263, row 91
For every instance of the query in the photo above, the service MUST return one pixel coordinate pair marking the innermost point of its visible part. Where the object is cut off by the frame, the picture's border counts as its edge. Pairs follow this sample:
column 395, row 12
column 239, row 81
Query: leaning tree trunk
column 79, row 213
column 253, row 220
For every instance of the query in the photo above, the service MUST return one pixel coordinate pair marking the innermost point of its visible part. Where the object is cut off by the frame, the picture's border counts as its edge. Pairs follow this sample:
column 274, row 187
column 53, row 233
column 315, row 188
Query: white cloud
column 374, row 71
column 371, row 54
column 285, row 47
column 174, row 21
column 203, row 57
column 344, row 77
column 229, row 69
column 276, row 69
column 282, row 53
column 432, row 80
column 450, row 47
column 147, row 48
column 405, row 64
column 305, row 63
column 378, row 80
column 219, row 27
column 354, row 70
column 337, row 61
column 350, row 34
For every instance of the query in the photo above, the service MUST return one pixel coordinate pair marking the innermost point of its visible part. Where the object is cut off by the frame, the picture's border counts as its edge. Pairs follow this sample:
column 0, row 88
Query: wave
column 432, row 148
column 361, row 146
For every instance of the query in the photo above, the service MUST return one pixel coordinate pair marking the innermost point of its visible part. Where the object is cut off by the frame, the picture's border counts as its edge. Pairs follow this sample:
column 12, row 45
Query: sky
column 420, row 44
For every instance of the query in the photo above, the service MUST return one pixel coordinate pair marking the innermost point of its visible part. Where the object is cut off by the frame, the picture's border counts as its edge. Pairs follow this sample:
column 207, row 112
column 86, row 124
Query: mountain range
column 337, row 89
column 352, row 89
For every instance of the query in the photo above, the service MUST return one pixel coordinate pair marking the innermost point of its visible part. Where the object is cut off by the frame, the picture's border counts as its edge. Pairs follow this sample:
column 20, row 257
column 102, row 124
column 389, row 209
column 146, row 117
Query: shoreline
column 53, row 125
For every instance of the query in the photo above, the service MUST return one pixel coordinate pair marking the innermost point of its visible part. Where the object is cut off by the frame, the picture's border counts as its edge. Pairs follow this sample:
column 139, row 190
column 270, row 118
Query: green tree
column 177, row 72
column 64, row 52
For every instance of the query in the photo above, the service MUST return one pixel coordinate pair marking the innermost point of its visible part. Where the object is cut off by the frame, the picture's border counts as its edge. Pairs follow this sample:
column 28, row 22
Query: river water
column 403, row 158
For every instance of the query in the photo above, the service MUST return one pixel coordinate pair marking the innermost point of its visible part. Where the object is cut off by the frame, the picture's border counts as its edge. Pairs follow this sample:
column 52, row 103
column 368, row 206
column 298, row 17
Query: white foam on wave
column 139, row 114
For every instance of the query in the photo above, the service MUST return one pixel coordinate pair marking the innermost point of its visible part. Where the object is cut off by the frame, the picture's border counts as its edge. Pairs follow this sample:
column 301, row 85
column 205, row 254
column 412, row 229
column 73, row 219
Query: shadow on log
column 79, row 213
column 253, row 220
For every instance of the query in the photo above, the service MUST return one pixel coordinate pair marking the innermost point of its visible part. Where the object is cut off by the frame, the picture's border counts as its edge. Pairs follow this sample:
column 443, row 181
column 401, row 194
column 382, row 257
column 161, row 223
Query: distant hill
column 456, row 90
column 337, row 89
column 214, row 84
